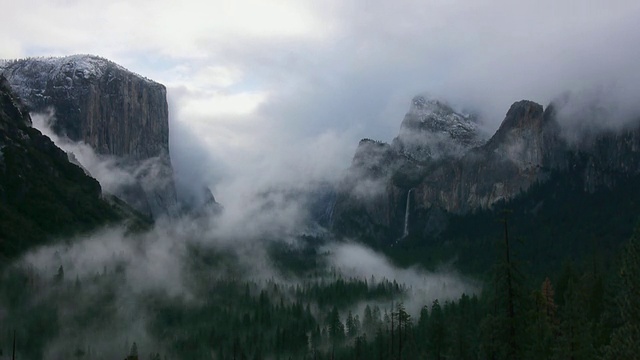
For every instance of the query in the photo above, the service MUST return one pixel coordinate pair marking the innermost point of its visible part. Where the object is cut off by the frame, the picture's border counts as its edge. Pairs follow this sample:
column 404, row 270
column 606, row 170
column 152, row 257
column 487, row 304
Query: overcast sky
column 262, row 92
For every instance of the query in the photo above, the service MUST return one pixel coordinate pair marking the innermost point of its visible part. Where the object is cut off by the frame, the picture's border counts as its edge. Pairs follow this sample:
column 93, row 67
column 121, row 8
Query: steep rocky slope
column 420, row 187
column 116, row 112
column 42, row 194
column 518, row 155
column 431, row 129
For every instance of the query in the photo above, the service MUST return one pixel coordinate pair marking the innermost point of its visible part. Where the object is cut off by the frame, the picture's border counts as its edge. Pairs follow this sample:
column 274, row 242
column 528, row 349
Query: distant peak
column 523, row 106
column 525, row 123
column 432, row 129
column 427, row 103
column 419, row 101
column 523, row 113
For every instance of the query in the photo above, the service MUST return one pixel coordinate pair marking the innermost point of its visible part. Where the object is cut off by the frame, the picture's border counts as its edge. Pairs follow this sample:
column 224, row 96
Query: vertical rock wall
column 116, row 112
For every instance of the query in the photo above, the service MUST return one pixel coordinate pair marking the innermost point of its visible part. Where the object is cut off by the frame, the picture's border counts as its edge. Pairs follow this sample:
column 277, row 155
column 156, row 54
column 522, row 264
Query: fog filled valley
column 184, row 292
column 308, row 268
column 296, row 180
column 259, row 281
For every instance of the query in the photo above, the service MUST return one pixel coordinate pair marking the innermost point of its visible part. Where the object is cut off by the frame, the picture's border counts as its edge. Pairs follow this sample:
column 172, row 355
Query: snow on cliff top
column 82, row 66
column 432, row 129
column 439, row 114
column 30, row 77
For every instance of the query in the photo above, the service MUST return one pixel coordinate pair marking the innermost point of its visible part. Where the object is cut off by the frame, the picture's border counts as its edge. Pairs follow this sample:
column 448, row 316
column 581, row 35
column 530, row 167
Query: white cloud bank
column 254, row 80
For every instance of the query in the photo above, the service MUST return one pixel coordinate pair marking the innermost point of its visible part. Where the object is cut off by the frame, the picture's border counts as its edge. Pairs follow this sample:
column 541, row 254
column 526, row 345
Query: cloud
column 358, row 261
column 359, row 82
column 611, row 106
column 254, row 81
column 276, row 97
column 111, row 175
column 114, row 273
column 152, row 261
column 147, row 185
column 268, row 99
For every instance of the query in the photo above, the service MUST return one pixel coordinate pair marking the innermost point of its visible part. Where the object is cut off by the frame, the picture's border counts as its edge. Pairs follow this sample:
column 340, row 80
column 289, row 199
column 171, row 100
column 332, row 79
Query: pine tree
column 625, row 340
column 502, row 331
column 352, row 327
column 368, row 324
column 59, row 277
column 490, row 335
column 380, row 344
column 423, row 321
column 509, row 275
column 549, row 306
column 404, row 323
column 575, row 340
column 377, row 317
column 542, row 323
column 508, row 308
column 421, row 329
column 335, row 328
column 436, row 332
column 133, row 353
column 462, row 324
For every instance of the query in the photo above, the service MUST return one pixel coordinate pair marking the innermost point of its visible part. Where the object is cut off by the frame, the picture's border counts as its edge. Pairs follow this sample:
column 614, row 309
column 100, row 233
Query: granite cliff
column 432, row 129
column 119, row 114
column 447, row 167
column 42, row 194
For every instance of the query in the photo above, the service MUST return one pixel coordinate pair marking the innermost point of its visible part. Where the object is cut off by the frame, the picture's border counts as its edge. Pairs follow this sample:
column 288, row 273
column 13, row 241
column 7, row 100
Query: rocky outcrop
column 518, row 155
column 526, row 149
column 42, row 194
column 366, row 185
column 608, row 158
column 96, row 101
column 116, row 112
column 431, row 129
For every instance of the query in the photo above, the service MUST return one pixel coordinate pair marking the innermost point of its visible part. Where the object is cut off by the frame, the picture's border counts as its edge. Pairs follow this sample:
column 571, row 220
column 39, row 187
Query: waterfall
column 406, row 214
column 329, row 211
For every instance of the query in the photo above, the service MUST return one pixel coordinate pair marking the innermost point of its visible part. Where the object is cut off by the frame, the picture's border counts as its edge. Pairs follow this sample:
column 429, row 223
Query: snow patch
column 433, row 129
column 24, row 73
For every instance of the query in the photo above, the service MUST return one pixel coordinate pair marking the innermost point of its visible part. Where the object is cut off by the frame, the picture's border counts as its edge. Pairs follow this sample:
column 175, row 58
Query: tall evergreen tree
column 437, row 332
column 575, row 341
column 335, row 328
column 352, row 325
column 133, row 353
column 625, row 340
column 549, row 306
column 508, row 302
column 542, row 323
column 59, row 277
column 368, row 324
column 404, row 323
column 509, row 274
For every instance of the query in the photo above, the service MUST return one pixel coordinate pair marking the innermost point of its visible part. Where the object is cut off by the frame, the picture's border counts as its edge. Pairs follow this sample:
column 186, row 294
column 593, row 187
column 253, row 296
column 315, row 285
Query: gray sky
column 274, row 93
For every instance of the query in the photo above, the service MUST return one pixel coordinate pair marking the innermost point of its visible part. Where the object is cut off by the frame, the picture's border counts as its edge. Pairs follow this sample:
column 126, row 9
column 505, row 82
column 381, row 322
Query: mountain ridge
column 526, row 148
column 432, row 129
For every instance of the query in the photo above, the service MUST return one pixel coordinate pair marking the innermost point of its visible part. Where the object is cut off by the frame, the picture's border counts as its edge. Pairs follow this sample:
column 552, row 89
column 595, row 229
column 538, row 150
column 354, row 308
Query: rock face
column 376, row 189
column 116, row 112
column 42, row 194
column 367, row 195
column 462, row 176
column 432, row 129
column 518, row 155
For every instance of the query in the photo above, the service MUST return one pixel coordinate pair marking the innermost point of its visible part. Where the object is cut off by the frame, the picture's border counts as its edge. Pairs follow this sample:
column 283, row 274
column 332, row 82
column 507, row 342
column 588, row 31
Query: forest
column 553, row 276
column 583, row 312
